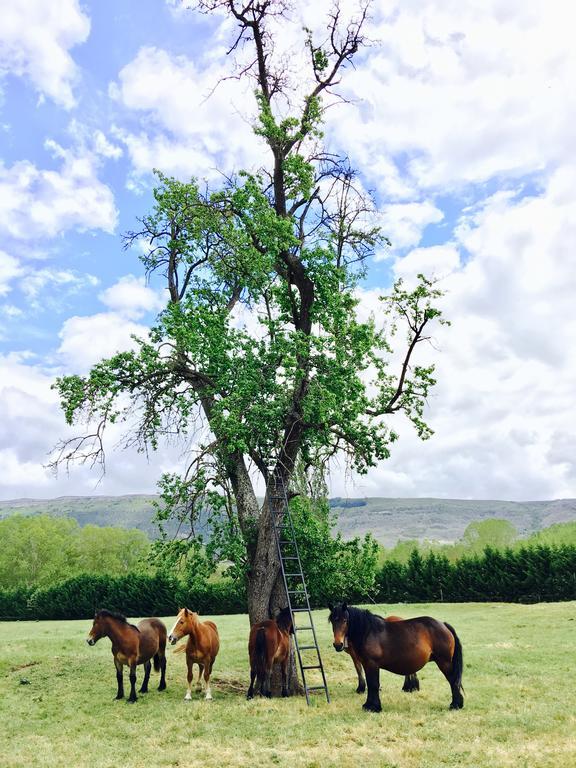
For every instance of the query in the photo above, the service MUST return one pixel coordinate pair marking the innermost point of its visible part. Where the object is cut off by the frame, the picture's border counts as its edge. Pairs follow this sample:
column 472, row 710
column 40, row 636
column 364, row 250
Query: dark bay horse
column 201, row 648
column 132, row 646
column 269, row 642
column 402, row 647
column 411, row 682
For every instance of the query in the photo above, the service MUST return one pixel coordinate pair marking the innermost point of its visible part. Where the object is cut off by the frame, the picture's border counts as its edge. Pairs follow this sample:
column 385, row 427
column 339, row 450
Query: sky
column 459, row 116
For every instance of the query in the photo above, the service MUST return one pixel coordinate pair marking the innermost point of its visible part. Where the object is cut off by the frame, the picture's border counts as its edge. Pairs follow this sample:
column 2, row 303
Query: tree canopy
column 260, row 356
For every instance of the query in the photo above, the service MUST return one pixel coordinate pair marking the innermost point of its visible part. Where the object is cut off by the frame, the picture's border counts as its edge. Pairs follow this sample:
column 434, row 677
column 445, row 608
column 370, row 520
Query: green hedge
column 133, row 595
column 529, row 574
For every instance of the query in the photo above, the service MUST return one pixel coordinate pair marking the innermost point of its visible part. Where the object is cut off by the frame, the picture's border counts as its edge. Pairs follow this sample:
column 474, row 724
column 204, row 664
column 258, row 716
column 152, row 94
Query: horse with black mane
column 269, row 642
column 411, row 682
column 402, row 647
column 131, row 646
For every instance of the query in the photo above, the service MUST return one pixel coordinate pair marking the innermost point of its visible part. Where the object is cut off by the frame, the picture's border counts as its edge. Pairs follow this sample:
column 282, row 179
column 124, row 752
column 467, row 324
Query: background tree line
column 52, row 568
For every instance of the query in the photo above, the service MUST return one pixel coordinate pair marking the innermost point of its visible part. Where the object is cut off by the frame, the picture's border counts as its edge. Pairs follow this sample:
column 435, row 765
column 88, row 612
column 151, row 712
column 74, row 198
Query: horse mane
column 284, row 620
column 361, row 622
column 104, row 613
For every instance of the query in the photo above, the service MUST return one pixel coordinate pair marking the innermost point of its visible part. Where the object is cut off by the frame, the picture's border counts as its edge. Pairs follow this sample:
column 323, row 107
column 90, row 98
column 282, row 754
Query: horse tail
column 157, row 664
column 260, row 653
column 457, row 660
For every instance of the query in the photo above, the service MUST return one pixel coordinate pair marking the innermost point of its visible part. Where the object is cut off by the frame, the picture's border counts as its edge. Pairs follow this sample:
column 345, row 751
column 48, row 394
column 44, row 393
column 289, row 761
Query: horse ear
column 330, row 607
column 344, row 606
column 186, row 611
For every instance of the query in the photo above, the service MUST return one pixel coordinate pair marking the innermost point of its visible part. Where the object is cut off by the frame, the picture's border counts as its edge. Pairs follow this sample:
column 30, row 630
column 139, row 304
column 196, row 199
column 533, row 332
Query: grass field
column 57, row 707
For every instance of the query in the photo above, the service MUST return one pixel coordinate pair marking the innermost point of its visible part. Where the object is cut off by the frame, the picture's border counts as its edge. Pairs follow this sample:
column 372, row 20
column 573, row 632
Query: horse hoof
column 131, row 701
column 361, row 689
column 249, row 696
column 372, row 707
column 162, row 687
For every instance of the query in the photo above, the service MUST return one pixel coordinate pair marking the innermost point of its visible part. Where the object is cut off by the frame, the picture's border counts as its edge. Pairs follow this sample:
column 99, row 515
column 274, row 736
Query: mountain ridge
column 389, row 519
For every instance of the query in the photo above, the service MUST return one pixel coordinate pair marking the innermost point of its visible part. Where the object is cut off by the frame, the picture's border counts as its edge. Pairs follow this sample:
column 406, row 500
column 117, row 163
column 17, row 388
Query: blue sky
column 459, row 117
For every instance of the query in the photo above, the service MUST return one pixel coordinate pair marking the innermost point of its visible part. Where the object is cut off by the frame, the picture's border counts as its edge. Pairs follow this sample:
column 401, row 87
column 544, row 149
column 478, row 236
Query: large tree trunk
column 266, row 591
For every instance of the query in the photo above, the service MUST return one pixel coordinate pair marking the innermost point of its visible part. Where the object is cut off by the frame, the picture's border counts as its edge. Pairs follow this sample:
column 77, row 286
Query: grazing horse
column 202, row 647
column 411, row 682
column 269, row 642
column 402, row 647
column 132, row 646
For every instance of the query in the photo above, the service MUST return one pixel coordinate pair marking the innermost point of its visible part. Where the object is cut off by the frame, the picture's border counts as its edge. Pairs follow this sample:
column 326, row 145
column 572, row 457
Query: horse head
column 182, row 625
column 339, row 618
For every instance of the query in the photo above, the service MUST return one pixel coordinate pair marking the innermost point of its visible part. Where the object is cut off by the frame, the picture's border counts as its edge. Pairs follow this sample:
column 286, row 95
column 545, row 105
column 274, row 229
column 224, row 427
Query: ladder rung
column 289, row 557
column 307, row 647
column 316, row 687
column 301, row 575
column 300, row 610
column 296, row 592
column 312, row 666
column 300, row 629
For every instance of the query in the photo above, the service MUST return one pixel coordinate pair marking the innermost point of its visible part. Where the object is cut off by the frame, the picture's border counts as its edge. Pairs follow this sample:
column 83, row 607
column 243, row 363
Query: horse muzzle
column 338, row 647
column 172, row 639
column 90, row 641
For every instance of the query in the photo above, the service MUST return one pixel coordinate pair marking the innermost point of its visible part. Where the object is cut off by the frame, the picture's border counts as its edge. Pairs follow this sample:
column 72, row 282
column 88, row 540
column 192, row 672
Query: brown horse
column 132, row 646
column 402, row 647
column 411, row 682
column 269, row 642
column 202, row 647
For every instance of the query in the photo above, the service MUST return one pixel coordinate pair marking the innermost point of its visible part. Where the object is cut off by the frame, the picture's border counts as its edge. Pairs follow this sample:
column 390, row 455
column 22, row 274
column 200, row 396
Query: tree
column 259, row 353
column 494, row 532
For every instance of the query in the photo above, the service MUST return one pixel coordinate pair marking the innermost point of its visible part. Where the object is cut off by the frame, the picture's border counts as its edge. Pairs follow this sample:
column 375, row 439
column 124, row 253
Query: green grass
column 519, row 707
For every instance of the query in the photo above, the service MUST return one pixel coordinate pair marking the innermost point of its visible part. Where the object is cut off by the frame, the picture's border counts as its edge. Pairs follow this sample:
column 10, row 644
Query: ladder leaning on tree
column 305, row 640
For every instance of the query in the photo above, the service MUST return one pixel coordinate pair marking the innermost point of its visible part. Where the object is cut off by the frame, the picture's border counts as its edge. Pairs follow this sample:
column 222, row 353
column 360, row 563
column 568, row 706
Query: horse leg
column 361, row 681
column 132, row 698
column 411, row 684
column 250, row 694
column 445, row 666
column 372, row 703
column 147, row 670
column 190, row 675
column 199, row 681
column 268, row 679
column 285, row 691
column 207, row 670
column 119, row 679
column 162, row 685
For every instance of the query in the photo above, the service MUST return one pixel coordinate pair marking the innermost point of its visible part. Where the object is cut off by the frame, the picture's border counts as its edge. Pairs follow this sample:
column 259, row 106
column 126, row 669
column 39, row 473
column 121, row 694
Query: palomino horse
column 202, row 647
column 411, row 682
column 269, row 642
column 402, row 647
column 132, row 646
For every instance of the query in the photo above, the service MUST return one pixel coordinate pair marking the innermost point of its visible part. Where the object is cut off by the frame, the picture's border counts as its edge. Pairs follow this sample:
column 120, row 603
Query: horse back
column 152, row 638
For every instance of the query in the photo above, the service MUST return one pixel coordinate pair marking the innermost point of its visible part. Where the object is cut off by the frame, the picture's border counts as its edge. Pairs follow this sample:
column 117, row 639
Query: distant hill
column 389, row 520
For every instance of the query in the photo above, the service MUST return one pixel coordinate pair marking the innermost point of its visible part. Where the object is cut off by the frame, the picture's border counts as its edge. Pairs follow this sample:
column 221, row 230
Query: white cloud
column 44, row 203
column 32, row 424
column 462, row 93
column 182, row 131
column 10, row 269
column 503, row 409
column 35, row 39
column 86, row 340
column 404, row 223
column 436, row 262
column 131, row 297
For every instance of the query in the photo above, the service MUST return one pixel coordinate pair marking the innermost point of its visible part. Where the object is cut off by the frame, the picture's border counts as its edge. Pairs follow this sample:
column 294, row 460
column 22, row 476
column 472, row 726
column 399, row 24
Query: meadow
column 57, row 703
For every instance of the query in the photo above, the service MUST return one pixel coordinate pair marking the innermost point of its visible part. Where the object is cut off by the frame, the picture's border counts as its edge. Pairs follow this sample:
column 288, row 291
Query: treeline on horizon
column 51, row 568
